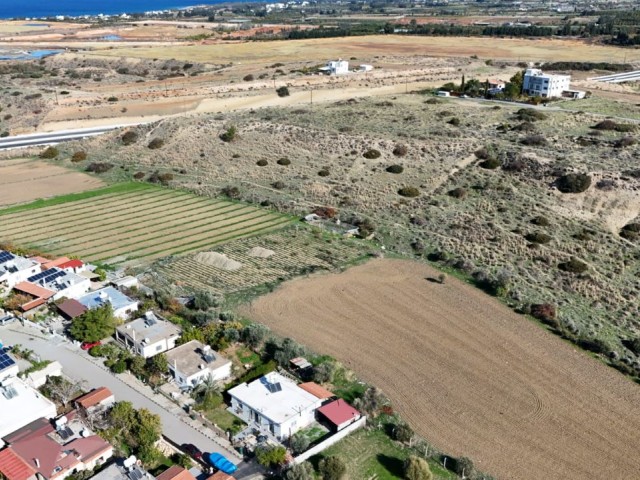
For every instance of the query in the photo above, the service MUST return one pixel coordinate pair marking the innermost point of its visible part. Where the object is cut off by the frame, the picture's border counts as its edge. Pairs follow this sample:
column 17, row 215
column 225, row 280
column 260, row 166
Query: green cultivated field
column 132, row 222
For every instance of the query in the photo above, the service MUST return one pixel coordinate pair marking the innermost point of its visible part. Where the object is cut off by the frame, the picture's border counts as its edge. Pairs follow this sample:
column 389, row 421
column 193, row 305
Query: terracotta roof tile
column 339, row 412
column 72, row 308
column 317, row 390
column 94, row 397
column 35, row 290
column 13, row 467
column 175, row 472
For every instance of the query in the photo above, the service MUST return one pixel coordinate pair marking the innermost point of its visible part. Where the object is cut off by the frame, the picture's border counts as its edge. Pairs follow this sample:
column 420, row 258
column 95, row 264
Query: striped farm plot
column 132, row 223
column 287, row 253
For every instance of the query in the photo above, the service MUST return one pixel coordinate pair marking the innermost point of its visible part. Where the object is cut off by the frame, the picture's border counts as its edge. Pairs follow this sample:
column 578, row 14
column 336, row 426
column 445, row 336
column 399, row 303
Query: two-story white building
column 274, row 404
column 15, row 269
column 336, row 67
column 149, row 335
column 538, row 84
column 193, row 363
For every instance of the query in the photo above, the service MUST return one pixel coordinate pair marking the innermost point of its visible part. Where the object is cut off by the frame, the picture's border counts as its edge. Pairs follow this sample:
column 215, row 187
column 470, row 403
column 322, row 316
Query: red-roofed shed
column 339, row 414
column 71, row 308
column 13, row 467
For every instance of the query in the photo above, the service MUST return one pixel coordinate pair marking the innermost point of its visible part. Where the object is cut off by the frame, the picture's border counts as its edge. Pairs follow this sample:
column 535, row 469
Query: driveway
column 78, row 366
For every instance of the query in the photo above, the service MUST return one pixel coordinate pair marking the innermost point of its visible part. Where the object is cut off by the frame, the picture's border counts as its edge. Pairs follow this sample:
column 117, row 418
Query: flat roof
column 154, row 330
column 189, row 356
column 56, row 279
column 277, row 404
column 97, row 299
column 23, row 406
column 11, row 263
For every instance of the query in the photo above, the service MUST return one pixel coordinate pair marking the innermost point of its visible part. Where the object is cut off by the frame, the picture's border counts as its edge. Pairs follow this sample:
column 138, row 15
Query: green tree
column 137, row 365
column 371, row 401
column 324, row 372
column 102, row 275
column 332, row 468
column 147, row 429
column 253, row 335
column 183, row 460
column 299, row 443
column 122, row 417
column 158, row 364
column 513, row 88
column 204, row 300
column 301, row 471
column 416, row 468
column 94, row 324
column 402, row 433
column 271, row 456
column 208, row 394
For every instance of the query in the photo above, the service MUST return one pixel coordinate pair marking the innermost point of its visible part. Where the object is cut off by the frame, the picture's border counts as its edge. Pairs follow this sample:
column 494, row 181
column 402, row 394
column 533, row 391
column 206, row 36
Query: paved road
column 78, row 366
column 33, row 139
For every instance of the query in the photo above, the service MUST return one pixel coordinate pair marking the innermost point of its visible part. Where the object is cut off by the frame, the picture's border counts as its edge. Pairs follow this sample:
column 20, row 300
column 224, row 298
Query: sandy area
column 26, row 180
column 466, row 372
column 218, row 260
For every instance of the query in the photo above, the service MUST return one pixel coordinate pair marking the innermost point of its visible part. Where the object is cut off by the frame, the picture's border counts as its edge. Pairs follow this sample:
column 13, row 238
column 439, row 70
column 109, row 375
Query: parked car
column 221, row 463
column 90, row 345
column 192, row 450
column 4, row 319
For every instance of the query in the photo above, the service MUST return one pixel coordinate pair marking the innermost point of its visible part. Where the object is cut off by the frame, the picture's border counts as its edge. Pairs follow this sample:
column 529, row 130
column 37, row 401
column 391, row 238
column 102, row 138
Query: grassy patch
column 224, row 420
column 372, row 454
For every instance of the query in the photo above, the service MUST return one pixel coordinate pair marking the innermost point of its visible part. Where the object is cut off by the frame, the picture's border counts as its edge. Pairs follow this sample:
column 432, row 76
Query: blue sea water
column 74, row 8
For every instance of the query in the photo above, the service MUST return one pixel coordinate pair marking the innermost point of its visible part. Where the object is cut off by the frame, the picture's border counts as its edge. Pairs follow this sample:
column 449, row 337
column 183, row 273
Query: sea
column 76, row 8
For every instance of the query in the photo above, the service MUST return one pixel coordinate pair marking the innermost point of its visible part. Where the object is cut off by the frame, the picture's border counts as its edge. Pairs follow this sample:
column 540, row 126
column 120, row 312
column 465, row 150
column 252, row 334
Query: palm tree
column 207, row 392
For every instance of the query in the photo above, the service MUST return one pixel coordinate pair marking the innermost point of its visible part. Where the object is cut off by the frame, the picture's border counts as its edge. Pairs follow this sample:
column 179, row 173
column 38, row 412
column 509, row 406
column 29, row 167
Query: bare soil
column 25, row 180
column 467, row 373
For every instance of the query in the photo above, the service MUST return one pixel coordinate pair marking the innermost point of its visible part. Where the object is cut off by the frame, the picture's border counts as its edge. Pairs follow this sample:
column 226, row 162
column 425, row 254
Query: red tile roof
column 72, row 308
column 175, row 472
column 339, row 412
column 13, row 467
column 316, row 390
column 71, row 264
column 94, row 397
column 221, row 476
column 34, row 290
column 40, row 260
column 55, row 263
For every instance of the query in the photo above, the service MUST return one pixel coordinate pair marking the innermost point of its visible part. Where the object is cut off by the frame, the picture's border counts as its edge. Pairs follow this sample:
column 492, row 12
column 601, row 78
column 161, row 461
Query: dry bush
column 540, row 221
column 49, row 153
column 573, row 266
column 129, row 138
column 79, row 156
column 409, row 192
column 162, row 178
column 538, row 237
column 372, row 154
column 400, row 150
column 457, row 192
column 545, row 312
column 395, row 169
column 138, row 175
column 156, row 143
column 283, row 161
column 631, row 231
column 248, row 78
column 534, row 140
column 530, row 115
column 573, row 183
column 99, row 167
column 262, row 163
column 624, row 142
column 490, row 164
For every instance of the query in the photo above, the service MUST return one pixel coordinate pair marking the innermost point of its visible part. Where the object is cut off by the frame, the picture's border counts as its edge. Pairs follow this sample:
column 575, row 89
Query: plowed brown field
column 466, row 372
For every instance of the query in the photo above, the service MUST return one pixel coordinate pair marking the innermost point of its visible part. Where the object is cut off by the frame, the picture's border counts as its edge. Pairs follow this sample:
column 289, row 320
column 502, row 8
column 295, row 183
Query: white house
column 148, row 336
column 538, row 84
column 333, row 67
column 122, row 305
column 365, row 68
column 274, row 404
column 193, row 363
column 63, row 283
column 15, row 269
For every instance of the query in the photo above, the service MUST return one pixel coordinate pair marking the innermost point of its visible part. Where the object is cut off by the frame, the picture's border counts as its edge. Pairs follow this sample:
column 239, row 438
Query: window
column 158, row 348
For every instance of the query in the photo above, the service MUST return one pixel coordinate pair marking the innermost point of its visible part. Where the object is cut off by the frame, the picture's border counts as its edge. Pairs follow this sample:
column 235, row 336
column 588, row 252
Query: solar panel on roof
column 277, row 387
column 6, row 361
column 37, row 277
column 4, row 256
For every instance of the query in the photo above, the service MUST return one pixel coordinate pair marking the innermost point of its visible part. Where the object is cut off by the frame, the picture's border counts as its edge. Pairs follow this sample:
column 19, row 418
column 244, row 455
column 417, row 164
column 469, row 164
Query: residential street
column 78, row 365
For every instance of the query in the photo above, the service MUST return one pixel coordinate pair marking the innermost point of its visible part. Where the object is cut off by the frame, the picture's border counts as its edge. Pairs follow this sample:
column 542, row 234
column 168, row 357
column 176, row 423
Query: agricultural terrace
column 267, row 259
column 132, row 222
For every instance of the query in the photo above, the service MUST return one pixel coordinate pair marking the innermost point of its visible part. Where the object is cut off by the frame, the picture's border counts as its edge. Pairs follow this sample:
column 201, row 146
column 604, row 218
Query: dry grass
column 322, row 49
column 466, row 372
column 24, row 180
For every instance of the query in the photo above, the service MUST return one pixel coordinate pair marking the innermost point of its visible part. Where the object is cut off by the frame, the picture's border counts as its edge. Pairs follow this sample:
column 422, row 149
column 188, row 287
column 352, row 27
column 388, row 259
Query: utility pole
column 55, row 90
column 312, row 96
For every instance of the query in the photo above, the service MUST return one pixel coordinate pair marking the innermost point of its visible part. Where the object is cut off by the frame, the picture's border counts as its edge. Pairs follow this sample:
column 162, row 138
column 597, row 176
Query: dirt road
column 467, row 373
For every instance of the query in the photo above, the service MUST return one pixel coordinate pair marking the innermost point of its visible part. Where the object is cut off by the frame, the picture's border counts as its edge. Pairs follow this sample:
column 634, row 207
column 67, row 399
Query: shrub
column 332, row 468
column 534, row 140
column 409, row 192
column 455, row 121
column 545, row 312
column 112, row 99
column 573, row 266
column 138, row 175
column 457, row 193
column 573, row 183
column 79, row 156
column 371, row 154
column 156, row 143
column 538, row 237
column 248, row 78
column 299, row 443
column 129, row 138
column 490, row 163
column 400, row 150
column 323, row 173
column 49, row 153
column 262, row 163
column 4, row 134
column 416, row 468
column 279, row 185
column 162, row 178
column 624, row 142
column 402, row 433
column 530, row 115
column 611, row 125
column 540, row 221
column 483, row 153
column 230, row 134
column 99, row 167
column 282, row 91
column 631, row 231
column 395, row 169
column 283, row 161
column 231, row 192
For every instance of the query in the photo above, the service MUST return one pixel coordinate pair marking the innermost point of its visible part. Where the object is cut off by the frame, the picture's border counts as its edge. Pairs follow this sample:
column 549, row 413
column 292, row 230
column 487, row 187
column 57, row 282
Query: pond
column 27, row 55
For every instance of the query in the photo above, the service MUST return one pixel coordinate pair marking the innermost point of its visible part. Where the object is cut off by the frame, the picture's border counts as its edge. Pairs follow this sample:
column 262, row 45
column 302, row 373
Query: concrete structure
column 333, row 67
column 39, row 378
column 57, row 449
column 274, row 404
column 96, row 399
column 538, row 84
column 21, row 405
column 73, row 266
column 125, row 282
column 63, row 283
column 15, row 269
column 149, row 335
column 122, row 305
column 365, row 68
column 443, row 93
column 193, row 363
